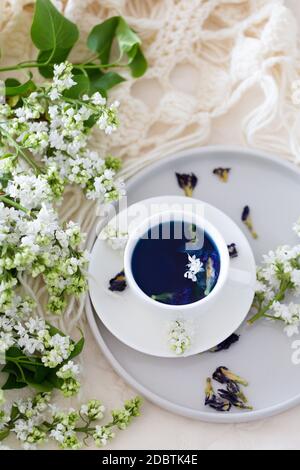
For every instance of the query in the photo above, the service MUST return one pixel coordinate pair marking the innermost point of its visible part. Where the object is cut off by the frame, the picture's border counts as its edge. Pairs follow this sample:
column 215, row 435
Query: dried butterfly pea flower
column 118, row 283
column 234, row 388
column 225, row 345
column 210, row 276
column 222, row 173
column 246, row 218
column 213, row 401
column 234, row 399
column 233, row 252
column 224, row 376
column 187, row 182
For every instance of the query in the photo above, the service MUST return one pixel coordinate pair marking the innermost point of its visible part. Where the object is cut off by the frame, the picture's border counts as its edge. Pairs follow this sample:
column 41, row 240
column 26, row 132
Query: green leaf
column 50, row 30
column 5, row 178
column 14, row 352
column 82, row 87
column 14, row 412
column 77, row 349
column 14, row 88
column 34, row 377
column 45, row 386
column 127, row 39
column 40, row 374
column 10, row 368
column 12, row 383
column 57, row 56
column 12, row 82
column 139, row 64
column 54, row 331
column 103, row 82
column 4, row 434
column 54, row 380
column 101, row 38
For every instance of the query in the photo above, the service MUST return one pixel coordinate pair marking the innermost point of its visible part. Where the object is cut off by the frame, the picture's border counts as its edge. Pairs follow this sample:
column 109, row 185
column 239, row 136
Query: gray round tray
column 271, row 187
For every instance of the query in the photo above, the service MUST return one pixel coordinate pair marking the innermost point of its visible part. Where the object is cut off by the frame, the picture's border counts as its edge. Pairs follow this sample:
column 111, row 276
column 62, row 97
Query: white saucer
column 145, row 328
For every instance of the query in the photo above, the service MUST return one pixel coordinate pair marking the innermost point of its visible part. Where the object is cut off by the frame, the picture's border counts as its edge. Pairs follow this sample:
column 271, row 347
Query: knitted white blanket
column 229, row 48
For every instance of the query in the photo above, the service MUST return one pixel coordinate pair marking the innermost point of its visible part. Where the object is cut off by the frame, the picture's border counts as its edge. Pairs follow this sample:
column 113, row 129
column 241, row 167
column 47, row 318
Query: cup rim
column 202, row 223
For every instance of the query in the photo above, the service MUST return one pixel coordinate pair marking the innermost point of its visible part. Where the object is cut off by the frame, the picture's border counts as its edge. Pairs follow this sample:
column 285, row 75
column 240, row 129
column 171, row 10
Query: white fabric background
column 158, row 429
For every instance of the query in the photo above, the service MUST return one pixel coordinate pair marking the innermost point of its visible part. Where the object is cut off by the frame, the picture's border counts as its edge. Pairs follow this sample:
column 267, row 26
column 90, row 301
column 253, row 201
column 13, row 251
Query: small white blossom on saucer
column 116, row 239
column 179, row 339
column 195, row 266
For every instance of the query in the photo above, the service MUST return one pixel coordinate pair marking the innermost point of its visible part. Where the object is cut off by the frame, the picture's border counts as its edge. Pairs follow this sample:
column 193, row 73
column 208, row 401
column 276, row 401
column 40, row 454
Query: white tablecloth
column 158, row 429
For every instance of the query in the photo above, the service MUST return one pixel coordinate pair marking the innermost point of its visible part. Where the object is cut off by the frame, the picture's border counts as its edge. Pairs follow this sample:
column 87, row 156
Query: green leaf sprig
column 55, row 37
column 24, row 370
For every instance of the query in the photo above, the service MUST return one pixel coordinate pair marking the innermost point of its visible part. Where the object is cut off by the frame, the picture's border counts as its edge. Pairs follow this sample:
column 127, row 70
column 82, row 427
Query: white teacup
column 226, row 273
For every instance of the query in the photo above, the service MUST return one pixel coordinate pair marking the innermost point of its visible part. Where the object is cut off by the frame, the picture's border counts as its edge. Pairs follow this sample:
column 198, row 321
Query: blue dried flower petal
column 245, row 213
column 225, row 345
column 233, row 399
column 246, row 218
column 224, row 376
column 233, row 252
column 187, row 182
column 213, row 401
column 118, row 283
column 222, row 173
column 234, row 388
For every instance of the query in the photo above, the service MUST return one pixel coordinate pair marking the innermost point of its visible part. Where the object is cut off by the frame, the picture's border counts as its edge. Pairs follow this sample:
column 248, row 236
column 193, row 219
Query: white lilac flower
column 30, row 190
column 62, row 80
column 278, row 277
column 292, row 329
column 27, row 432
column 6, row 341
column 35, row 248
column 30, row 345
column 69, row 370
column 33, row 108
column 102, row 435
column 58, row 350
column 289, row 314
column 36, row 418
column 45, row 146
column 97, row 99
column 64, row 429
column 94, row 410
column 68, row 373
column 195, row 266
column 116, row 239
column 123, row 417
column 179, row 339
column 35, row 136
